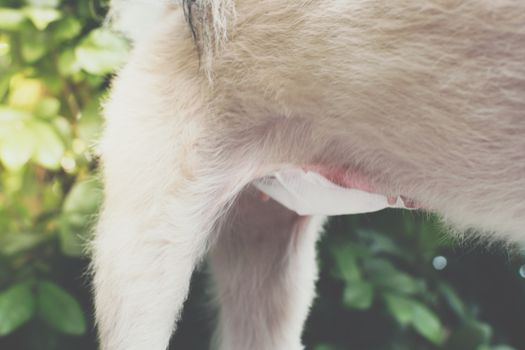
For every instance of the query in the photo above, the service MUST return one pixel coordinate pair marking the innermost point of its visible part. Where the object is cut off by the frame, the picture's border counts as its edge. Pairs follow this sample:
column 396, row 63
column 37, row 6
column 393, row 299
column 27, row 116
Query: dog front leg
column 145, row 251
column 164, row 192
column 143, row 264
column 144, row 254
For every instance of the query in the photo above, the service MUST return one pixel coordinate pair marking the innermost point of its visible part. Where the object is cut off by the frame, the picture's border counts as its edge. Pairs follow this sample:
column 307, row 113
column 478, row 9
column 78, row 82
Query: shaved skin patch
column 317, row 191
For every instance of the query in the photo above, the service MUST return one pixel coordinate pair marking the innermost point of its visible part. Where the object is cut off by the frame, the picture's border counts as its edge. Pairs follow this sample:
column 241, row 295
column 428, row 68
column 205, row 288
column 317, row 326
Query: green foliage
column 17, row 306
column 59, row 309
column 378, row 287
column 54, row 65
column 381, row 273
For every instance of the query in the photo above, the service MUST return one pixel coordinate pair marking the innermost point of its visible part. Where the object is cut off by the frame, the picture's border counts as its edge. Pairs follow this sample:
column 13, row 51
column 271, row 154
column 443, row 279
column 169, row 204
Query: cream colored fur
column 426, row 97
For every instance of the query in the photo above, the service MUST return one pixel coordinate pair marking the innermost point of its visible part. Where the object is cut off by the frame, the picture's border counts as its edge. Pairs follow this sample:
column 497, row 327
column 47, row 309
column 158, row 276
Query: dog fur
column 425, row 97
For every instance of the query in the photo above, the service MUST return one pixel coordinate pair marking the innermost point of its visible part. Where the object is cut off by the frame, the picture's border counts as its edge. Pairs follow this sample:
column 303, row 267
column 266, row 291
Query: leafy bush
column 386, row 275
column 54, row 65
column 378, row 287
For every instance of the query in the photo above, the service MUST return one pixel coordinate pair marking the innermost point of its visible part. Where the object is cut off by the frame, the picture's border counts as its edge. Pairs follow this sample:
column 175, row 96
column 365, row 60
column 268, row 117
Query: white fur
column 425, row 97
column 137, row 18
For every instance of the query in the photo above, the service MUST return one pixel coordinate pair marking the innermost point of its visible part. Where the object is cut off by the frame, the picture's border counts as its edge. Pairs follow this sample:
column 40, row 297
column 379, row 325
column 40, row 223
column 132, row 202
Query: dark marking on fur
column 187, row 6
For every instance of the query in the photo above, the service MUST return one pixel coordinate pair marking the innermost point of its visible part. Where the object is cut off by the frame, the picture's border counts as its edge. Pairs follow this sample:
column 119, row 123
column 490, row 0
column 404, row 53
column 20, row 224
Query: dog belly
column 316, row 191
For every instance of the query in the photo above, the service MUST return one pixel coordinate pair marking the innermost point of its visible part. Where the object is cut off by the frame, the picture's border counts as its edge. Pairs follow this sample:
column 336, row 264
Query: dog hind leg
column 264, row 267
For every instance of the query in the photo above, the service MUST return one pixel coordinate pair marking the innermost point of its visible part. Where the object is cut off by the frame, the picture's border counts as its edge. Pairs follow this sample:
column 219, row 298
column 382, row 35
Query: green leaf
column 17, row 306
column 85, row 197
column 453, row 300
column 48, row 107
column 59, row 309
column 358, row 295
column 49, row 146
column 471, row 335
column 386, row 276
column 401, row 308
column 346, row 263
column 11, row 19
column 15, row 243
column 102, row 52
column 414, row 313
column 73, row 230
column 398, row 281
column 379, row 243
column 67, row 63
column 427, row 323
column 44, row 3
column 63, row 127
column 17, row 146
column 8, row 114
column 25, row 93
column 66, row 29
column 502, row 347
column 79, row 210
column 5, row 78
column 324, row 347
column 42, row 16
column 34, row 46
column 90, row 122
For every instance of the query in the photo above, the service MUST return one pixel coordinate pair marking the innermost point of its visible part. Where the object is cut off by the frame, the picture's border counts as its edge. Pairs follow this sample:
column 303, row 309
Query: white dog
column 413, row 102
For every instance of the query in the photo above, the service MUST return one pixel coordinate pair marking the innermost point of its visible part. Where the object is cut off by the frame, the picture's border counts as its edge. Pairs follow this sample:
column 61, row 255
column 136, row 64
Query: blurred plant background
column 389, row 280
